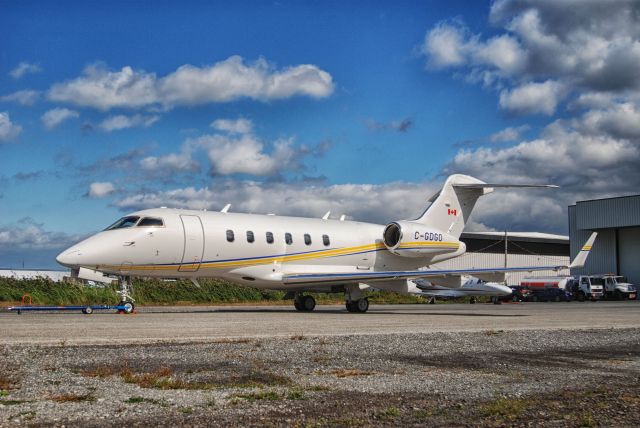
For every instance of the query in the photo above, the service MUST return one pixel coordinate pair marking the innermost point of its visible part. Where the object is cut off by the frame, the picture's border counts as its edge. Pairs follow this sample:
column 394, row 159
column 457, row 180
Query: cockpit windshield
column 124, row 222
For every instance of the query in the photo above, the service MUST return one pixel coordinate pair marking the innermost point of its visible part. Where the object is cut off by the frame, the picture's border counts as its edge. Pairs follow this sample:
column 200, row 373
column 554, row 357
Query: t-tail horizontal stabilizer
column 581, row 258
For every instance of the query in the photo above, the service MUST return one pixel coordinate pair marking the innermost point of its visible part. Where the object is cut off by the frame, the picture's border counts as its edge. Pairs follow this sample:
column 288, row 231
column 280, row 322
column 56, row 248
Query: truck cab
column 586, row 287
column 618, row 288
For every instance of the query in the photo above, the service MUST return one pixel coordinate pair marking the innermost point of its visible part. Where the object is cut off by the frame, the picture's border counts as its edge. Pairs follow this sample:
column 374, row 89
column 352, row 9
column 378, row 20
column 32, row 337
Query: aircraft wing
column 363, row 276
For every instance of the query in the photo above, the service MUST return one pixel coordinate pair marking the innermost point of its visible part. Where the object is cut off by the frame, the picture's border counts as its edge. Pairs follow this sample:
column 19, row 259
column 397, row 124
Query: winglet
column 581, row 258
column 226, row 208
column 326, row 216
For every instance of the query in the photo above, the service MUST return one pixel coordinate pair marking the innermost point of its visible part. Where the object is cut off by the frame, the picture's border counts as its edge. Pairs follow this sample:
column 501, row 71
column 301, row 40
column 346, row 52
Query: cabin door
column 193, row 243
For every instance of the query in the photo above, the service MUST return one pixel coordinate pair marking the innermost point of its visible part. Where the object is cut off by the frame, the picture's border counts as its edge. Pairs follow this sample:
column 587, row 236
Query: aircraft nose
column 69, row 257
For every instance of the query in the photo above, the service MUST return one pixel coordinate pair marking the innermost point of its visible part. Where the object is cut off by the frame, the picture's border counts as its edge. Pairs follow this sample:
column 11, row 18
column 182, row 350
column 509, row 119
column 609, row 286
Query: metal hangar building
column 617, row 247
column 488, row 249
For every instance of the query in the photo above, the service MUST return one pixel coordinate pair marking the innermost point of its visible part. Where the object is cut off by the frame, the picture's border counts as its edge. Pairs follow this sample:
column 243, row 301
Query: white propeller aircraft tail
column 292, row 253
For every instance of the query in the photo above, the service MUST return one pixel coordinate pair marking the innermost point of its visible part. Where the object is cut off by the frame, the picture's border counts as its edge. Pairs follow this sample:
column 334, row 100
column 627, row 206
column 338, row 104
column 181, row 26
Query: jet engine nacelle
column 410, row 239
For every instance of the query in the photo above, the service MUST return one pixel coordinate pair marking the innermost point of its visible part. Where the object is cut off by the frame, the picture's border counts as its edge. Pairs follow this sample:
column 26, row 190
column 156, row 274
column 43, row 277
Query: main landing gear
column 304, row 303
column 126, row 301
column 358, row 306
column 355, row 302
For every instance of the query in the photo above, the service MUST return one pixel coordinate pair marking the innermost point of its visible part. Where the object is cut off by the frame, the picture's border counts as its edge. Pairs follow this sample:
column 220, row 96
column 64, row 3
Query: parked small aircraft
column 293, row 253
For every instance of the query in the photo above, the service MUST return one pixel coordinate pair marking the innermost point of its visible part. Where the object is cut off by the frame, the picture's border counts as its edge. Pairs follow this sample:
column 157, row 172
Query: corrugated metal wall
column 484, row 260
column 608, row 213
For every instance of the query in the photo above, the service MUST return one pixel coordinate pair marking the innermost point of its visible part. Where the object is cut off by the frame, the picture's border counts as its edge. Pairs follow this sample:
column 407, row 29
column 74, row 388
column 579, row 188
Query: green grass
column 158, row 292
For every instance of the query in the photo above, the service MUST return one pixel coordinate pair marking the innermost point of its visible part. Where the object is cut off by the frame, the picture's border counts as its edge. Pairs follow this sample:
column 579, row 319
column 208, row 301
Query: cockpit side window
column 151, row 221
column 124, row 222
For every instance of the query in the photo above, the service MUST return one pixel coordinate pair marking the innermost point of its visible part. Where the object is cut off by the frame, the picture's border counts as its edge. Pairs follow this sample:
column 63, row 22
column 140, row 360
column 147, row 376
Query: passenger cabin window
column 269, row 238
column 124, row 222
column 307, row 239
column 325, row 240
column 151, row 221
column 288, row 239
column 250, row 237
column 230, row 236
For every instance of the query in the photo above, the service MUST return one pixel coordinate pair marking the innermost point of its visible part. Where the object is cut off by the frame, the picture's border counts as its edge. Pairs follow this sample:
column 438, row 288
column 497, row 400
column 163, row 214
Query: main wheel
column 88, row 310
column 308, row 303
column 350, row 306
column 362, row 305
column 297, row 304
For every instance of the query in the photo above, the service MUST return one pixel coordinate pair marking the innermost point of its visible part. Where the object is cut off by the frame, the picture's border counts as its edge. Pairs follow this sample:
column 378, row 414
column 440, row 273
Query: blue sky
column 301, row 107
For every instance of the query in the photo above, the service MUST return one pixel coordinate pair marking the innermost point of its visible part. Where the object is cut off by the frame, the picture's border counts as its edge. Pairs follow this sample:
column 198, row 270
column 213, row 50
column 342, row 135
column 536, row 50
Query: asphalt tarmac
column 202, row 324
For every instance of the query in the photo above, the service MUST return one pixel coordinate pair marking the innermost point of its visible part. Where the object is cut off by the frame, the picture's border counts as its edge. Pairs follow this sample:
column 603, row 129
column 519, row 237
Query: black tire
column 297, row 305
column 618, row 295
column 362, row 305
column 308, row 303
column 88, row 310
column 581, row 297
column 472, row 300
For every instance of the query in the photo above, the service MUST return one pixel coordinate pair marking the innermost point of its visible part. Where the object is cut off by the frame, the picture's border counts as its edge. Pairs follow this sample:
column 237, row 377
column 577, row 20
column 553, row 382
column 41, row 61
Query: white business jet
column 293, row 253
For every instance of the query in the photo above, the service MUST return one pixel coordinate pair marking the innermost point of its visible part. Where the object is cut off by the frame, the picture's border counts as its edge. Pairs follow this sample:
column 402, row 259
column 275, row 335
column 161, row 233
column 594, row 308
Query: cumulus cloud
column 236, row 126
column 56, row 116
column 28, row 234
column 531, row 98
column 247, row 154
column 25, row 97
column 24, row 68
column 100, row 189
column 366, row 202
column 508, row 134
column 168, row 164
column 591, row 156
column 223, row 81
column 8, row 129
column 544, row 51
column 120, row 121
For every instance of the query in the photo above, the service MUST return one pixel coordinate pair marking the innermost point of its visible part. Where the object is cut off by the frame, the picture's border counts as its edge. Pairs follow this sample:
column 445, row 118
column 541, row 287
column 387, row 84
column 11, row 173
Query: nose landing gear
column 126, row 301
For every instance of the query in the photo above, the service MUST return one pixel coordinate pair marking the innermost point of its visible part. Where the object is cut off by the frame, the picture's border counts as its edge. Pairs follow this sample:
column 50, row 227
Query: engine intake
column 411, row 239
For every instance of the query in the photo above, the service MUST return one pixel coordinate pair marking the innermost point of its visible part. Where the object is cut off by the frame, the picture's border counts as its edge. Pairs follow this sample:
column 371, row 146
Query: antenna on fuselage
column 226, row 208
column 326, row 216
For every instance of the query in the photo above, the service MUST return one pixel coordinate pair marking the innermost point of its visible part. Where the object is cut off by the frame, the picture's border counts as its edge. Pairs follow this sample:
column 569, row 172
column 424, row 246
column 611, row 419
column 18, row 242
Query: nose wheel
column 126, row 301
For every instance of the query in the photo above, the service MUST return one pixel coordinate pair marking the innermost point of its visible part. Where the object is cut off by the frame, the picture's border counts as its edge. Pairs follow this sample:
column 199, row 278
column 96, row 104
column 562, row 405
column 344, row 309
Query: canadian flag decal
column 452, row 212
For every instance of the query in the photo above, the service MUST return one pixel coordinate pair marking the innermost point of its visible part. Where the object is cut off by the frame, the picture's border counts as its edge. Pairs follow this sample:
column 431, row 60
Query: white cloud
column 168, row 164
column 508, row 134
column 236, row 126
column 445, row 46
column 24, row 68
column 246, row 154
column 533, row 97
column 26, row 97
column 120, row 121
column 100, row 189
column 223, row 81
column 56, row 116
column 8, row 129
column 367, row 202
column 620, row 120
column 104, row 89
column 27, row 234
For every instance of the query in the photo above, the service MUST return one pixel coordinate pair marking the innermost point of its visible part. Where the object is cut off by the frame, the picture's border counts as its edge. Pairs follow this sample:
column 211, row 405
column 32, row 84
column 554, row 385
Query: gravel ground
column 492, row 377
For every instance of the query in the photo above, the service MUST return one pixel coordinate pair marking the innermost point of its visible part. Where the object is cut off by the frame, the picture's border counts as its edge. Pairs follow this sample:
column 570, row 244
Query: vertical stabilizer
column 451, row 207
